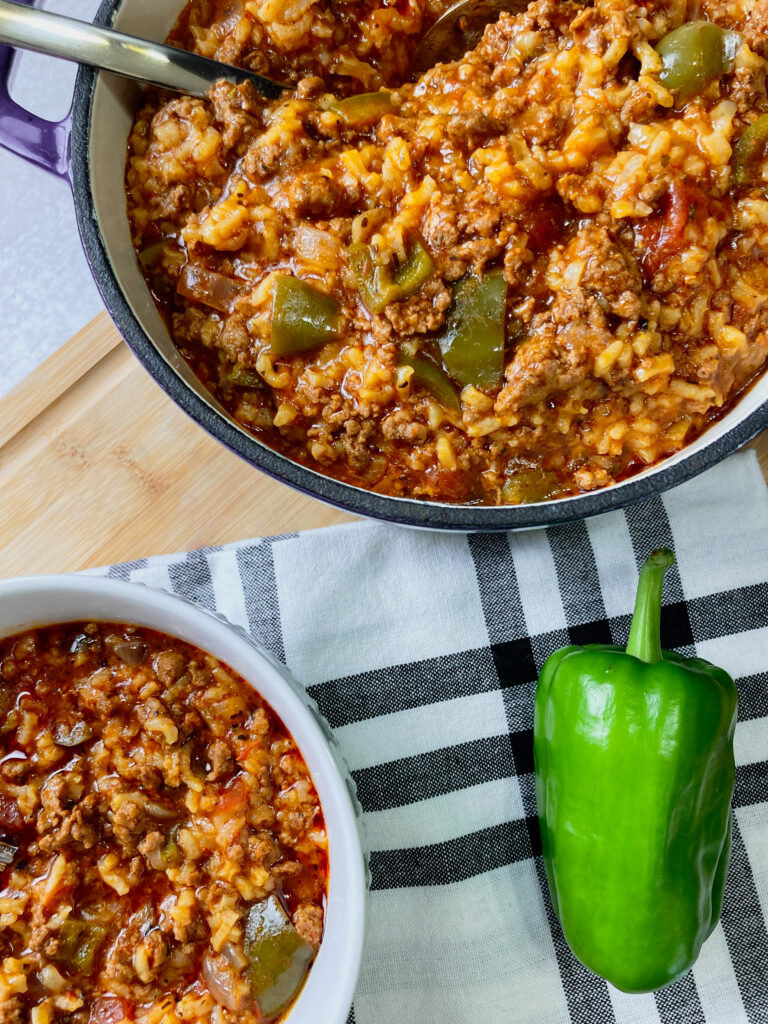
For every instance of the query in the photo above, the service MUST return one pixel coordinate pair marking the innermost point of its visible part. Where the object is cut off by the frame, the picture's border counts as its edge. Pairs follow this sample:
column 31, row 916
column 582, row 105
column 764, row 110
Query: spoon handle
column 108, row 50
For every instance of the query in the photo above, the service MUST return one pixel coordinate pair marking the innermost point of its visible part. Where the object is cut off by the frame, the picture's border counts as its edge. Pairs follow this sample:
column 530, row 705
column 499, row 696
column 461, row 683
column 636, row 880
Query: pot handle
column 44, row 143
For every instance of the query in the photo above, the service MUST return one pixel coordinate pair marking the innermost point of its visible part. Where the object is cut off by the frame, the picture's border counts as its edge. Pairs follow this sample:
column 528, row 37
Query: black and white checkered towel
column 422, row 651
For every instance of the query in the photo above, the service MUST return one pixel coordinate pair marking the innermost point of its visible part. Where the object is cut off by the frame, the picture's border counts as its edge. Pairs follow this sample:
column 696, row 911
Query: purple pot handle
column 45, row 143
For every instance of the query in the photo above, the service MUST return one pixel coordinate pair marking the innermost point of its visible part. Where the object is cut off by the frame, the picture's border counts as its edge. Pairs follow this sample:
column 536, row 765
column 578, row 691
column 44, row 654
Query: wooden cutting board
column 97, row 465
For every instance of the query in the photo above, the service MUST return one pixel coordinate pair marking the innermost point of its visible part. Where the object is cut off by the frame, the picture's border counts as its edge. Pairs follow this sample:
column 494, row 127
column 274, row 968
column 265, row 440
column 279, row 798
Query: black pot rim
column 403, row 511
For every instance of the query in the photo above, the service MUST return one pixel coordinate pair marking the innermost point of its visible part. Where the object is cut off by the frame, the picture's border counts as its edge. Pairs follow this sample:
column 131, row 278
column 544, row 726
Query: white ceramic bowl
column 46, row 600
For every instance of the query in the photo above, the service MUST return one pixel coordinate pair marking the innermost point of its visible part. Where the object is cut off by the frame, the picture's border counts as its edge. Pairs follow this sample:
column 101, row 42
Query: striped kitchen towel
column 422, row 651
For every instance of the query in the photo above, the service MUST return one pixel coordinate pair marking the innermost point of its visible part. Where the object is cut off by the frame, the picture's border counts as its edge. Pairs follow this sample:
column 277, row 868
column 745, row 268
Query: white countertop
column 46, row 289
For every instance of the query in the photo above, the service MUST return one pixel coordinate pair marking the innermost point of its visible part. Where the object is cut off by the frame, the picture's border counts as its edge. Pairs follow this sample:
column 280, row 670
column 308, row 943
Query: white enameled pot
column 89, row 149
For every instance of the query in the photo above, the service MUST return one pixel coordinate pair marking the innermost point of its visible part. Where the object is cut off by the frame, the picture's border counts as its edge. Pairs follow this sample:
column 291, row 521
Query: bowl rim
column 334, row 975
column 369, row 504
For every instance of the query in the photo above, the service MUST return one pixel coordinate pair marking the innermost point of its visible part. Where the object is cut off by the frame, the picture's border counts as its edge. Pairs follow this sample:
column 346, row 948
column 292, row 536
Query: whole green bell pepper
column 633, row 753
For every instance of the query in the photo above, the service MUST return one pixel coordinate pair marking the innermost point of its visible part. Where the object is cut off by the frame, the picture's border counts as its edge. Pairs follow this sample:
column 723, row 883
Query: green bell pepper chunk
column 152, row 256
column 412, row 274
column 432, row 377
column 303, row 318
column 79, row 942
column 633, row 752
column 473, row 340
column 89, row 947
column 239, row 377
column 278, row 957
column 374, row 281
column 378, row 286
column 525, row 485
column 750, row 147
column 363, row 110
column 170, row 852
column 695, row 54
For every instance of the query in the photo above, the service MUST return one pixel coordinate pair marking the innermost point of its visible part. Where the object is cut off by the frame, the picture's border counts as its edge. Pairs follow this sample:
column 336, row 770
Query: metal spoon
column 7, row 853
column 126, row 55
column 459, row 29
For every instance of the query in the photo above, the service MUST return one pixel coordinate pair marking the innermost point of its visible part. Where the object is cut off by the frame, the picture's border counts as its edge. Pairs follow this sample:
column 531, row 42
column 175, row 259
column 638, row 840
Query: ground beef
column 610, row 273
column 169, row 666
column 423, row 312
column 440, row 224
column 58, row 796
column 357, row 439
column 311, row 195
column 472, row 129
column 234, row 339
column 543, row 364
column 238, row 113
column 129, row 825
column 402, row 425
column 748, row 86
column 174, row 201
column 480, row 217
column 308, row 921
column 12, row 1011
column 221, row 760
column 474, row 256
column 757, row 26
column 268, row 155
column 81, row 827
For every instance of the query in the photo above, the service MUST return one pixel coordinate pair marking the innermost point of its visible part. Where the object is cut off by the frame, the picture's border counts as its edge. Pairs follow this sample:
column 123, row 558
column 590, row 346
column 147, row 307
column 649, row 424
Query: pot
column 88, row 149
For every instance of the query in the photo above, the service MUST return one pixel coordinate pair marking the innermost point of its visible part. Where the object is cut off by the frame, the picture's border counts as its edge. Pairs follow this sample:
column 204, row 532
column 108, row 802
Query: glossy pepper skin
column 633, row 753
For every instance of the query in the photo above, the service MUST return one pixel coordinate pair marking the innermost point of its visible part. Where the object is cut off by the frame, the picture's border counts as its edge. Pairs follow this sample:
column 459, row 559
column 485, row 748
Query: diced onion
column 132, row 652
column 234, row 955
column 52, row 979
column 221, row 981
column 316, row 246
column 157, row 810
column 215, row 290
column 155, row 858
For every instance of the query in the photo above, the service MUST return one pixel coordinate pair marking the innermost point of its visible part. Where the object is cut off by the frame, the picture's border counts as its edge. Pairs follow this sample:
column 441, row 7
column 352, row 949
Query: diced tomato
column 10, row 816
column 662, row 237
column 449, row 484
column 245, row 750
column 545, row 224
column 110, row 1010
column 232, row 799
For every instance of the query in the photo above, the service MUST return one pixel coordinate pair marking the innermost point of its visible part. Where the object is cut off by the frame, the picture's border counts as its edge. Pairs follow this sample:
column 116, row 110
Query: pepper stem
column 645, row 634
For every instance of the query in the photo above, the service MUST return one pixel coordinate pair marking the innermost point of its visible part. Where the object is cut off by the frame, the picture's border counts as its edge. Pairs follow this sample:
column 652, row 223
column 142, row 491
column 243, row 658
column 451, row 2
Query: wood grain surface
column 98, row 465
